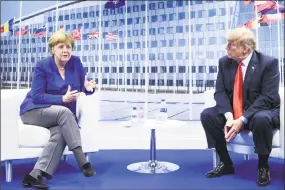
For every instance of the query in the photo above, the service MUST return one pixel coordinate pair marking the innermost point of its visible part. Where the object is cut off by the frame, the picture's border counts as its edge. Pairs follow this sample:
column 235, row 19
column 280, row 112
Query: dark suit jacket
column 48, row 87
column 260, row 87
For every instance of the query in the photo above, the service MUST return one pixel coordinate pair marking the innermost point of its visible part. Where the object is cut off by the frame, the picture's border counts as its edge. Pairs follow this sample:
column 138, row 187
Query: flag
column 253, row 23
column 23, row 30
column 112, row 36
column 7, row 26
column 275, row 10
column 112, row 4
column 270, row 18
column 93, row 35
column 76, row 34
column 40, row 32
column 264, row 5
column 247, row 2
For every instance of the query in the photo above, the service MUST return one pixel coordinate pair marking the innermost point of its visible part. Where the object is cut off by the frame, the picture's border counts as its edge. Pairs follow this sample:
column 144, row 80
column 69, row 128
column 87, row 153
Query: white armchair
column 243, row 142
column 19, row 141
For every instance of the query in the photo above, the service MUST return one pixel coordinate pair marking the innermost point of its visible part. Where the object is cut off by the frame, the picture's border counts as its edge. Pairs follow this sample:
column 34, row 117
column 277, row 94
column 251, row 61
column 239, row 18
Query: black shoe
column 220, row 170
column 30, row 181
column 46, row 175
column 263, row 177
column 87, row 170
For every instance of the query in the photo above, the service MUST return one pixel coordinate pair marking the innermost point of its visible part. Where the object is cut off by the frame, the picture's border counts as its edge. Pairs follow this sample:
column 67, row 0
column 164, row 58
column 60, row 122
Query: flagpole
column 100, row 49
column 146, row 63
column 125, row 50
column 281, row 69
column 256, row 29
column 19, row 47
column 12, row 68
column 190, row 77
column 56, row 21
column 117, row 64
column 46, row 34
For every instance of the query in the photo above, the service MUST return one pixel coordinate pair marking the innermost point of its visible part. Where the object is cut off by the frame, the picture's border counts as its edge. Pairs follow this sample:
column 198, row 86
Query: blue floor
column 112, row 173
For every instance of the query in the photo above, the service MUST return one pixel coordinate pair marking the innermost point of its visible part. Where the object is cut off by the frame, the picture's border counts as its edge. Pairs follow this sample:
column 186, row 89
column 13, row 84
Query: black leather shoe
column 87, row 170
column 30, row 181
column 220, row 170
column 46, row 175
column 263, row 177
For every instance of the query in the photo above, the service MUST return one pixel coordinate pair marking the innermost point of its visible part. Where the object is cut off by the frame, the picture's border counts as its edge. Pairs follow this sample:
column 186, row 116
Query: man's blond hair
column 242, row 36
column 60, row 37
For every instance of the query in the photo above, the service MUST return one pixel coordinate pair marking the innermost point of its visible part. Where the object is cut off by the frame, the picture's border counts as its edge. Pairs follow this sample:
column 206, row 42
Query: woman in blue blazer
column 57, row 83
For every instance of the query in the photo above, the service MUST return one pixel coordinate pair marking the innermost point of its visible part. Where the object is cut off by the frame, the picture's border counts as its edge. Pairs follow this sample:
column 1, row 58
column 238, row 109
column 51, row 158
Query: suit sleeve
column 222, row 99
column 82, row 73
column 269, row 97
column 39, row 88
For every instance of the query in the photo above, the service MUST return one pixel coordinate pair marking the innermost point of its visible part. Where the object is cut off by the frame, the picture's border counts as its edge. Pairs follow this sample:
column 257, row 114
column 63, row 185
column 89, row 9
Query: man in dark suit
column 246, row 98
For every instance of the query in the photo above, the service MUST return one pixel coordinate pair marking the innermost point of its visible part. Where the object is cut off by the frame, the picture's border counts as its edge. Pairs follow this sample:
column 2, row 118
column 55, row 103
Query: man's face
column 235, row 51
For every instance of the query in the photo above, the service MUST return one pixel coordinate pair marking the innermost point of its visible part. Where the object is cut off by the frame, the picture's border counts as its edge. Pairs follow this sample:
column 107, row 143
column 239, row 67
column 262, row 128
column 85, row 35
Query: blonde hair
column 60, row 37
column 242, row 36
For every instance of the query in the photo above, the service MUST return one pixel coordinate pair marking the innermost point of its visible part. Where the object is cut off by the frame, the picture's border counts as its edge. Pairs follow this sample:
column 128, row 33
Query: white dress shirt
column 244, row 66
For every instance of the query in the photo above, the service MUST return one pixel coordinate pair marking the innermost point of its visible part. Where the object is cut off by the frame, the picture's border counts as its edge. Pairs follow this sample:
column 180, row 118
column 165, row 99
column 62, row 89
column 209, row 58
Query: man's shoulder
column 264, row 57
column 225, row 59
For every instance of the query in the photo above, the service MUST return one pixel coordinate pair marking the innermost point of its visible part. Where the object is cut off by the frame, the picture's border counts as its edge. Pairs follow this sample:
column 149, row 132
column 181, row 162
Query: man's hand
column 70, row 96
column 89, row 85
column 237, row 126
column 228, row 125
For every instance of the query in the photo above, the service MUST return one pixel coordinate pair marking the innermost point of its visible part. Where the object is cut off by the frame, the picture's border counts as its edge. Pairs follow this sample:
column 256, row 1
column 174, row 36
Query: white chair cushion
column 31, row 136
column 245, row 138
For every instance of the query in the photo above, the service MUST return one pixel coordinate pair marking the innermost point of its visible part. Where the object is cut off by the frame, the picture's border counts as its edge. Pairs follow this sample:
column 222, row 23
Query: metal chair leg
column 64, row 157
column 246, row 157
column 87, row 155
column 8, row 168
column 216, row 158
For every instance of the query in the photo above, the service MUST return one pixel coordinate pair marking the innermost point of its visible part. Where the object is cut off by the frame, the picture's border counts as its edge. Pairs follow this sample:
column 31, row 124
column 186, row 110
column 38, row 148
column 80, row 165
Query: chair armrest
column 209, row 98
column 88, row 111
column 10, row 104
column 88, row 116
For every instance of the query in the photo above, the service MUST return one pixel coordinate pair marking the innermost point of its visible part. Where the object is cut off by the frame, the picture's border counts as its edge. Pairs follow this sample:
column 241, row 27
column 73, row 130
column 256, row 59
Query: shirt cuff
column 227, row 115
column 245, row 121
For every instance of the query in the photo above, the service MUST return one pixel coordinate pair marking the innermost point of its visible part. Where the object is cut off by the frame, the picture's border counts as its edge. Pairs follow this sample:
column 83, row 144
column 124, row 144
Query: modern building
column 150, row 34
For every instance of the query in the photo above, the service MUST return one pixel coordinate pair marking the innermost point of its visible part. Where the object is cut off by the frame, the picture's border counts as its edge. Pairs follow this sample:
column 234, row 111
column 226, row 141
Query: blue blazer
column 48, row 86
column 260, row 86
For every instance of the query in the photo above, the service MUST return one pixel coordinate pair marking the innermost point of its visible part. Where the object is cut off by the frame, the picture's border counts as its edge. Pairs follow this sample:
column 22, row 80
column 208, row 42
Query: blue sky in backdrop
column 10, row 9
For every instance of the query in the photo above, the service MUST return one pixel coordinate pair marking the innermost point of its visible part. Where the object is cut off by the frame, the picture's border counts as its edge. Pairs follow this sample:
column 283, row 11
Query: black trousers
column 261, row 125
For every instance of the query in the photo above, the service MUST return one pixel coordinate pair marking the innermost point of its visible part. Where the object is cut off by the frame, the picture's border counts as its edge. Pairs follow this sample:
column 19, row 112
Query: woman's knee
column 64, row 111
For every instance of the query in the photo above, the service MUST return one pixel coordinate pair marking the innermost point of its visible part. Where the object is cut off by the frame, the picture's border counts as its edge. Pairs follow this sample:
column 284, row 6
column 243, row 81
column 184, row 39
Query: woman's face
column 62, row 51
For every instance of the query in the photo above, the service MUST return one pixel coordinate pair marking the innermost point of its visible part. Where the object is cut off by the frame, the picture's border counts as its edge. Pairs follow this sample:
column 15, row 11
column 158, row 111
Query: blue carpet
column 112, row 173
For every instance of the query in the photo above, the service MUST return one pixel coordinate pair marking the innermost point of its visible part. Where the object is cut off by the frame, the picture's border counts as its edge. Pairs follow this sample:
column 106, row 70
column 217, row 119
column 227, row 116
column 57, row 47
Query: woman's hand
column 70, row 96
column 89, row 85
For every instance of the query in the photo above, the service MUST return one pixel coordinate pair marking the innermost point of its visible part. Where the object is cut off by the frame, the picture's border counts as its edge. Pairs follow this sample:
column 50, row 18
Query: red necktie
column 237, row 99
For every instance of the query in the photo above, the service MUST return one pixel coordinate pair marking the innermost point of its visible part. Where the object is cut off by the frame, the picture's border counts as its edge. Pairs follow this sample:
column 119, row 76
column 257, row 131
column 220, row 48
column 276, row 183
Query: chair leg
column 216, row 158
column 8, row 168
column 87, row 155
column 246, row 157
column 64, row 157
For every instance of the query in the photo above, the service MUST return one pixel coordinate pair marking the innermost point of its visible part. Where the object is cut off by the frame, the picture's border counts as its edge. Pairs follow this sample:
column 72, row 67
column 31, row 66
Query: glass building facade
column 166, row 45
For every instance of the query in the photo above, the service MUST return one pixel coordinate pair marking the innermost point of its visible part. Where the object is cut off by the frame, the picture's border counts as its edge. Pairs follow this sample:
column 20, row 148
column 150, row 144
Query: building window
column 181, row 16
column 179, row 29
column 85, row 15
column 212, row 69
column 212, row 12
